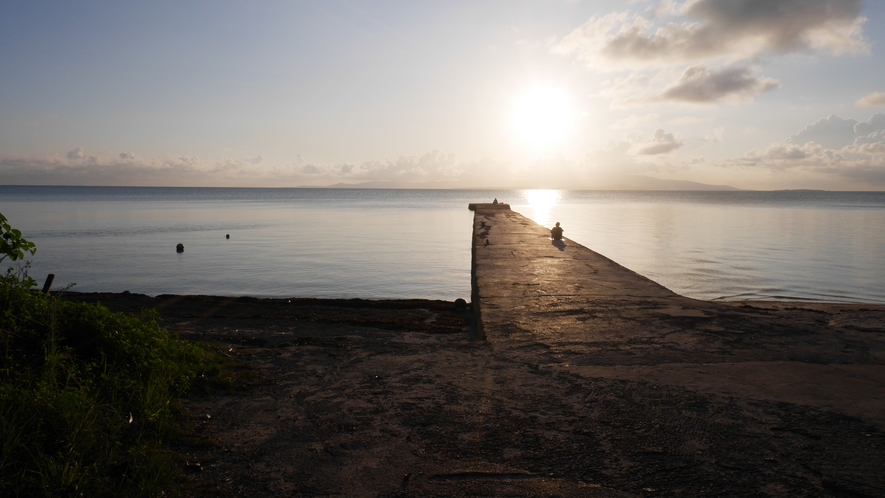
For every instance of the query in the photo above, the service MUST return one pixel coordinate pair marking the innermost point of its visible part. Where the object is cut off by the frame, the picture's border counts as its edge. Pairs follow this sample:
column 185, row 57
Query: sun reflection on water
column 542, row 203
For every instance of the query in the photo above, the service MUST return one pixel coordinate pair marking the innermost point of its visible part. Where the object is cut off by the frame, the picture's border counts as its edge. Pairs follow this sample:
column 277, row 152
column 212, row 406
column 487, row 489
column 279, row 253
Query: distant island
column 799, row 190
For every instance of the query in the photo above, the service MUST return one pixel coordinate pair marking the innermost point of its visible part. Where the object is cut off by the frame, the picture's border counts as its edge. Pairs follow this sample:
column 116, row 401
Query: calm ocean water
column 819, row 246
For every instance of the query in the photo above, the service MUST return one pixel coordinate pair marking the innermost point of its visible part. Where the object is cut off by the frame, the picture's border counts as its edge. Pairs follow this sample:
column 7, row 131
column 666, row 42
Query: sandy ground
column 392, row 398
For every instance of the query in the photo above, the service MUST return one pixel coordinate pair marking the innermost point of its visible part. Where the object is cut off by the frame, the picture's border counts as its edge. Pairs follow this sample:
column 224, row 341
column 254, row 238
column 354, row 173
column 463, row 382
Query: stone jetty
column 579, row 313
column 559, row 291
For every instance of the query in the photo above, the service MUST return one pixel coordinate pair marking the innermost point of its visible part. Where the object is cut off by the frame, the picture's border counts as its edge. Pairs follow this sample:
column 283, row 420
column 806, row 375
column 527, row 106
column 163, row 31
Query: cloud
column 834, row 132
column 876, row 123
column 299, row 169
column 715, row 135
column 432, row 165
column 875, row 99
column 834, row 148
column 633, row 121
column 93, row 170
column 76, row 154
column 618, row 166
column 789, row 152
column 667, row 8
column 699, row 85
column 729, row 30
column 660, row 143
column 873, row 149
column 311, row 170
column 871, row 138
column 689, row 120
column 712, row 42
column 125, row 168
column 865, row 162
column 614, row 159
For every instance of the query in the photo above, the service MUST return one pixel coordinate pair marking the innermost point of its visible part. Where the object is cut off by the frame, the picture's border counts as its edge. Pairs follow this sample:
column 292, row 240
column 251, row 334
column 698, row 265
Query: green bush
column 87, row 396
column 12, row 244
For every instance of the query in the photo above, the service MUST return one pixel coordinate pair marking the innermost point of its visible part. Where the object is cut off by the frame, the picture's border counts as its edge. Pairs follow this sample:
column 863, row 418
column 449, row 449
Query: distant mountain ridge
column 624, row 183
column 651, row 183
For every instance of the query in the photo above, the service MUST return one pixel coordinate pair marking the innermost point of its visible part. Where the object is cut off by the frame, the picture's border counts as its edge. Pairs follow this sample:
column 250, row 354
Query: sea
column 396, row 244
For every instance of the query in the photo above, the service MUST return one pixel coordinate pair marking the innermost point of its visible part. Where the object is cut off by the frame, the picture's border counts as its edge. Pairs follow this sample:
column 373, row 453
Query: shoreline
column 209, row 306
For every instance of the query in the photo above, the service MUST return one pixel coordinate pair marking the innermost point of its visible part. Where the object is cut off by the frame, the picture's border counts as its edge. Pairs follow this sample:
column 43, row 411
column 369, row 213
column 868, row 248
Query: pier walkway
column 776, row 369
column 560, row 291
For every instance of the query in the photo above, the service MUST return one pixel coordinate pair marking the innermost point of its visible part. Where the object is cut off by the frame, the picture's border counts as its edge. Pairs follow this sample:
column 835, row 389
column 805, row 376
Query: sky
column 581, row 94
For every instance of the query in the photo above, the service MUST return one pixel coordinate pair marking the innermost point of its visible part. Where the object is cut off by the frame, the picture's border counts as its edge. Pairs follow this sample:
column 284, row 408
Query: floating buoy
column 227, row 236
column 179, row 247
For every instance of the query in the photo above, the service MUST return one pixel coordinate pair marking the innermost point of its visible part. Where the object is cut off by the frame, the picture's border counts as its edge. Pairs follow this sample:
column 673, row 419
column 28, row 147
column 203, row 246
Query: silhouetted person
column 556, row 232
column 495, row 201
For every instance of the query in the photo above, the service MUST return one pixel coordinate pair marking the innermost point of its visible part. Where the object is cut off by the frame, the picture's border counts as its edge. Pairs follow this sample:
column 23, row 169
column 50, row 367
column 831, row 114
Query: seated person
column 556, row 232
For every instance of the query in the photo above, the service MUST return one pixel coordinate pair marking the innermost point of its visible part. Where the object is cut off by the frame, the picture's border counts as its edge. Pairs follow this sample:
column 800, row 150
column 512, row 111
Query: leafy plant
column 89, row 398
column 12, row 244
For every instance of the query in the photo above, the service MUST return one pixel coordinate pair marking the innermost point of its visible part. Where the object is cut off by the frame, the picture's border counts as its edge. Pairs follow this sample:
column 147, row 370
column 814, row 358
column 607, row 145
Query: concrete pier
column 579, row 312
column 559, row 291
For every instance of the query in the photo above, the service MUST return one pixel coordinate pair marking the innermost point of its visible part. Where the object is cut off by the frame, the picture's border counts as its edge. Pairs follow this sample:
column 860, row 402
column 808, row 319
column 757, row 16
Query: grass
column 88, row 398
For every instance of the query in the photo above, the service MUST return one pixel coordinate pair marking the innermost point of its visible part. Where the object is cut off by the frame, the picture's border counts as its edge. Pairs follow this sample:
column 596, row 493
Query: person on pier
column 556, row 232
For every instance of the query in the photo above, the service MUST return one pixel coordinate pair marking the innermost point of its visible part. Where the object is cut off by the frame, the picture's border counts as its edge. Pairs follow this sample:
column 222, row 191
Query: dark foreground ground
column 391, row 398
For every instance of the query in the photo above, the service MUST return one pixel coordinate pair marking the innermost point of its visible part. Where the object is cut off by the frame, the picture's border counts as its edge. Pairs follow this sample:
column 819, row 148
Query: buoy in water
column 179, row 247
column 227, row 236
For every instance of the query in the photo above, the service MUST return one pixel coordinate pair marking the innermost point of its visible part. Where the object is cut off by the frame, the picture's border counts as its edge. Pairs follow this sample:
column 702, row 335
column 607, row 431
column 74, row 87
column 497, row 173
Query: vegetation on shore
column 88, row 398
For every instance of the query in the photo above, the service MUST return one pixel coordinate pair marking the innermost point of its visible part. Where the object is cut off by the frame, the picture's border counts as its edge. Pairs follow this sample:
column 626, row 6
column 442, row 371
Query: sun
column 542, row 116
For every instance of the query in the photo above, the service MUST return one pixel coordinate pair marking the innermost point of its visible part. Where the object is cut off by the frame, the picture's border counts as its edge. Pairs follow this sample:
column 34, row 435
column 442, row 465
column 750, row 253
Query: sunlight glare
column 542, row 202
column 542, row 116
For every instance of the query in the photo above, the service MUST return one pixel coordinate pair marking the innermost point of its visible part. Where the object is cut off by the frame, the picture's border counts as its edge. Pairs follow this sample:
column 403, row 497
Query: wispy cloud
column 688, row 120
column 633, row 121
column 77, row 167
column 875, row 99
column 432, row 165
column 76, row 154
column 660, row 143
column 715, row 41
column 82, row 169
column 699, row 85
column 714, row 135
